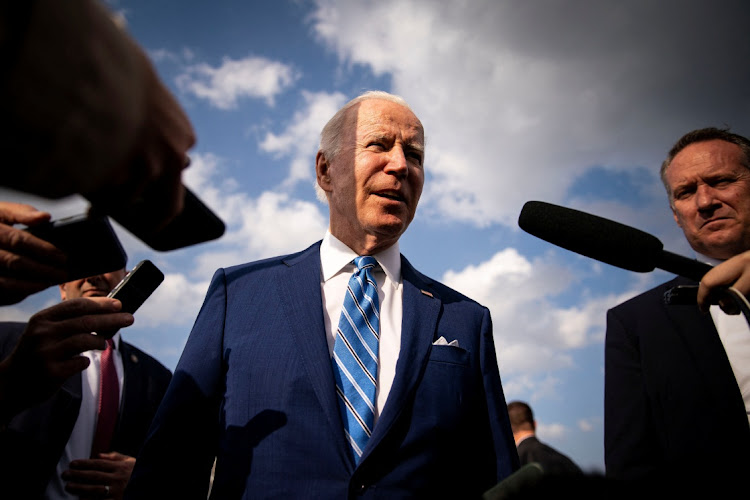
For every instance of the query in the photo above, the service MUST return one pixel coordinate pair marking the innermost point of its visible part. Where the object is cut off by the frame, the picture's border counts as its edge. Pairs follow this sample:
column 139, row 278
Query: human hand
column 48, row 351
column 733, row 272
column 103, row 477
column 27, row 264
column 87, row 113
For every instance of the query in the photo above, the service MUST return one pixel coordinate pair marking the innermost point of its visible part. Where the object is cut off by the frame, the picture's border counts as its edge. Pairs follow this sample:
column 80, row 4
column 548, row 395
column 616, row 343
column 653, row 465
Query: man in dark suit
column 530, row 449
column 255, row 386
column 677, row 373
column 48, row 429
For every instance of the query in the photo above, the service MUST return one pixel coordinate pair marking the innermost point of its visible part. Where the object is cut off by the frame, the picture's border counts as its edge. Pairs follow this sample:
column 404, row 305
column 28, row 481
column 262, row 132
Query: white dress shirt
column 336, row 269
column 82, row 437
column 734, row 333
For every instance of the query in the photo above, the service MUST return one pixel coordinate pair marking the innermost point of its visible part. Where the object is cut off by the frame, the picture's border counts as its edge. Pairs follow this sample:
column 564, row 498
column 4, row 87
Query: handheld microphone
column 605, row 240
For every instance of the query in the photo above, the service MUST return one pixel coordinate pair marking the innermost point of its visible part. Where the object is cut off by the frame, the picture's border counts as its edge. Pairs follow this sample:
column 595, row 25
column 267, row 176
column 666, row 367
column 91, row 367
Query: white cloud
column 225, row 85
column 520, row 99
column 301, row 137
column 532, row 334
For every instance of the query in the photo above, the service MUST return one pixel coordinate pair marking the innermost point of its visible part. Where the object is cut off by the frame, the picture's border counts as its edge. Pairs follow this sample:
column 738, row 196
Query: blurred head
column 93, row 286
column 707, row 178
column 521, row 417
column 370, row 170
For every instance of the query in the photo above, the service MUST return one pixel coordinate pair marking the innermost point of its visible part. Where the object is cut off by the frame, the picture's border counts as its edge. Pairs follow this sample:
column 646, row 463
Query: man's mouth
column 713, row 221
column 391, row 196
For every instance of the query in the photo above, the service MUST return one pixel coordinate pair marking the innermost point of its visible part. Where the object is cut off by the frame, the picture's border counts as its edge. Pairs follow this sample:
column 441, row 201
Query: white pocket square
column 442, row 341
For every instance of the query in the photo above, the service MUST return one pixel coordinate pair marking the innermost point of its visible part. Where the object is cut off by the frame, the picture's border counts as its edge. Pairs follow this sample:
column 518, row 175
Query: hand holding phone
column 88, row 241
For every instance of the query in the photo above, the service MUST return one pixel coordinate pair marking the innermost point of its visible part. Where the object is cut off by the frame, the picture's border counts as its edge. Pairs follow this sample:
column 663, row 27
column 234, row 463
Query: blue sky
column 570, row 102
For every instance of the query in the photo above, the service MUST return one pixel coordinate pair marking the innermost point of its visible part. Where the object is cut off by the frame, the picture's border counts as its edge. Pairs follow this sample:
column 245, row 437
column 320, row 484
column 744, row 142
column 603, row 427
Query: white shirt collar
column 335, row 256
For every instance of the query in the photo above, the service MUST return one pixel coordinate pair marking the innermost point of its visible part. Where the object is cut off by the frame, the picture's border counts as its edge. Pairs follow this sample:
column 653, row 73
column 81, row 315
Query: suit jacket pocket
column 449, row 354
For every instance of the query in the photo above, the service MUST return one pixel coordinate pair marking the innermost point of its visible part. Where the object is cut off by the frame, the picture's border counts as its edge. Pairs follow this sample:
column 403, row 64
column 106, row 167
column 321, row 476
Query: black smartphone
column 89, row 241
column 137, row 286
column 195, row 224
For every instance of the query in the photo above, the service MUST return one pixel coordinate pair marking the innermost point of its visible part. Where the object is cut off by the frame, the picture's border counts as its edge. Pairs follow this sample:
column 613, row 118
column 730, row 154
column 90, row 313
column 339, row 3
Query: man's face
column 711, row 197
column 94, row 286
column 374, row 184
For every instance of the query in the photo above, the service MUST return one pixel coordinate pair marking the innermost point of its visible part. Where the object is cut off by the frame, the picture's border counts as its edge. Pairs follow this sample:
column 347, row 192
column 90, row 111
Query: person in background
column 338, row 371
column 52, row 442
column 677, row 373
column 530, row 449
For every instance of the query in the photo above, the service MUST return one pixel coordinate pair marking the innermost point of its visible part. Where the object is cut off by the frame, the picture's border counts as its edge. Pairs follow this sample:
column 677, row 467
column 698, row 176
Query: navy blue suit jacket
column 254, row 388
column 35, row 439
column 672, row 405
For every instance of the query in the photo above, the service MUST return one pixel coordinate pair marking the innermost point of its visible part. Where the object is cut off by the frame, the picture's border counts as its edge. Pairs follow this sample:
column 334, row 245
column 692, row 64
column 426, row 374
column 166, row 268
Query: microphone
column 605, row 240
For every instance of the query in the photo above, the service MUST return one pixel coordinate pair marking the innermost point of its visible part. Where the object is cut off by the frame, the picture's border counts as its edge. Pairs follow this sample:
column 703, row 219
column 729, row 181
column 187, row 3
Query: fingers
column 27, row 264
column 21, row 213
column 98, row 477
column 734, row 272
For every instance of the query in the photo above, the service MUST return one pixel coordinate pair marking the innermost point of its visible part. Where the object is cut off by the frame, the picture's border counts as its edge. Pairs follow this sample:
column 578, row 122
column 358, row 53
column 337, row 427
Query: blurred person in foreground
column 263, row 384
column 677, row 375
column 84, row 112
column 50, row 395
column 530, row 449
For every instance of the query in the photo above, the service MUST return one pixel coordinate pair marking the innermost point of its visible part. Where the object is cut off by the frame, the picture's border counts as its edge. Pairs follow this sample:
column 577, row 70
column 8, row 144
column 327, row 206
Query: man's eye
column 416, row 157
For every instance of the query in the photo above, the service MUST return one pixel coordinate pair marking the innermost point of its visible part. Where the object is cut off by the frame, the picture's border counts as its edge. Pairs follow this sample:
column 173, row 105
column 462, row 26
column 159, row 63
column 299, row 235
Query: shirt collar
column 116, row 340
column 335, row 256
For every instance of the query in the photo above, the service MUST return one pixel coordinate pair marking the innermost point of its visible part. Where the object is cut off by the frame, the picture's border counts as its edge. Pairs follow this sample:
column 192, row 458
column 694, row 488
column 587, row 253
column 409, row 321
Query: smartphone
column 137, row 286
column 89, row 241
column 195, row 224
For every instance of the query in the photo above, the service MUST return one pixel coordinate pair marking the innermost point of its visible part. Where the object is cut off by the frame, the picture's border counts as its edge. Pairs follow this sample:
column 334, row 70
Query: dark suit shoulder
column 551, row 460
column 440, row 290
column 653, row 295
column 143, row 357
column 240, row 270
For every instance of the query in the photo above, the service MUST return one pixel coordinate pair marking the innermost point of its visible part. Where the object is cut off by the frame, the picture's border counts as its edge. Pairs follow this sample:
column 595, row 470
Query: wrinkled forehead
column 378, row 117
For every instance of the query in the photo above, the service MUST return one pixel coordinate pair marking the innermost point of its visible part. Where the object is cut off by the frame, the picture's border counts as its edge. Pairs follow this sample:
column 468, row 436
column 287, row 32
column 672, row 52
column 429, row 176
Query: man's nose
column 397, row 163
column 705, row 197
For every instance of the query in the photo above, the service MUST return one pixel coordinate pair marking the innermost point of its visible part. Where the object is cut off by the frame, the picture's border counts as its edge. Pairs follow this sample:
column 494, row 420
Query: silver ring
column 106, row 490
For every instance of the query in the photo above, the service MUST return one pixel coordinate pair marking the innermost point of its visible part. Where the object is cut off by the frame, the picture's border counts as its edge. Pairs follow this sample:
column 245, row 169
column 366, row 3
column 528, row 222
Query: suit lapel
column 302, row 300
column 129, row 394
column 419, row 322
column 698, row 332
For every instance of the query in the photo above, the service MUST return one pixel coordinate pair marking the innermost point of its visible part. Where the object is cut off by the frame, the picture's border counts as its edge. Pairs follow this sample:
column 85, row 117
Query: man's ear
column 323, row 172
column 63, row 294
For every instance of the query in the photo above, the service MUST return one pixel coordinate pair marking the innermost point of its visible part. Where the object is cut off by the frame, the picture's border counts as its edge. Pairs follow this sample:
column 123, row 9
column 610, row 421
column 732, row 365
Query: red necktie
column 109, row 402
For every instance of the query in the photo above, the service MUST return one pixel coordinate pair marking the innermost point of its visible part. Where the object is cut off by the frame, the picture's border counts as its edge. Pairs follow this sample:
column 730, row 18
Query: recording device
column 90, row 243
column 137, row 286
column 605, row 240
column 196, row 223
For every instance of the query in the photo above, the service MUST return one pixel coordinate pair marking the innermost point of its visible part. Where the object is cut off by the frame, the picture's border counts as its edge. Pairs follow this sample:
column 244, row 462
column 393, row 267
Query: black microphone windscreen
column 596, row 237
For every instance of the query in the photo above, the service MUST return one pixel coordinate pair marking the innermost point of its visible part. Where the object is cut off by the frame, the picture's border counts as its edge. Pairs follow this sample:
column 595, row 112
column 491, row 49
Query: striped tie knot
column 355, row 354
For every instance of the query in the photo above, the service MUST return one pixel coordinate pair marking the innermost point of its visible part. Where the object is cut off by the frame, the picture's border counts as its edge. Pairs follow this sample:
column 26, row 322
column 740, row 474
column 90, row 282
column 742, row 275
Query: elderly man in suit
column 677, row 374
column 264, row 382
column 52, row 445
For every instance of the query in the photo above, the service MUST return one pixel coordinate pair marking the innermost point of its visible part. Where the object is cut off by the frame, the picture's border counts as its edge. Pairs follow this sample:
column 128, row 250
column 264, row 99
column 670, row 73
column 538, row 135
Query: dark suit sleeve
column 176, row 459
column 504, row 445
column 630, row 443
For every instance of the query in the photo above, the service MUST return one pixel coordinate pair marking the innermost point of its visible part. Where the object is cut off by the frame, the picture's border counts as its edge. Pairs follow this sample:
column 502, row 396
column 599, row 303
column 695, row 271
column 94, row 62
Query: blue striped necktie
column 355, row 354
